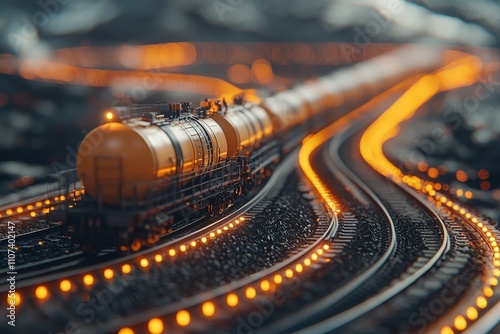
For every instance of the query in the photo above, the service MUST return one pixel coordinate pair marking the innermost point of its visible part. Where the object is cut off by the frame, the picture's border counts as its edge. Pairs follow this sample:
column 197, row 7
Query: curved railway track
column 349, row 301
column 422, row 284
column 97, row 276
column 77, row 263
column 410, row 297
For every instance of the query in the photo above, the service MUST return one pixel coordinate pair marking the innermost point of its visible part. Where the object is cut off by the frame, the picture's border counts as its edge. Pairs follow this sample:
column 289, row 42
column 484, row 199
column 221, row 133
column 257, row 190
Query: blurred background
column 63, row 63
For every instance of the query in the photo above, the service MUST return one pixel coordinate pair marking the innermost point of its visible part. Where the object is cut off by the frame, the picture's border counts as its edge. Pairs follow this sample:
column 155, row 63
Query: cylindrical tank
column 245, row 128
column 120, row 161
column 263, row 118
column 287, row 110
column 314, row 95
column 116, row 161
column 199, row 144
column 217, row 138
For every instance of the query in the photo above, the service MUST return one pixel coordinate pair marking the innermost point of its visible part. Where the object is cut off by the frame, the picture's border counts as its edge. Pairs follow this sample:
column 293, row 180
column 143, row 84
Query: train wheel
column 239, row 190
column 91, row 236
column 83, row 237
column 210, row 211
column 136, row 245
column 222, row 207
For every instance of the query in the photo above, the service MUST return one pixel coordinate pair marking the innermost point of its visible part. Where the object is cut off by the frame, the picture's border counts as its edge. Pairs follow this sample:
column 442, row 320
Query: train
column 151, row 168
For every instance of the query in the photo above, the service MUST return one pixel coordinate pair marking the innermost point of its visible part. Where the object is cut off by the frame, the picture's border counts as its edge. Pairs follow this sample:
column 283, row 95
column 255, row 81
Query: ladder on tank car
column 108, row 174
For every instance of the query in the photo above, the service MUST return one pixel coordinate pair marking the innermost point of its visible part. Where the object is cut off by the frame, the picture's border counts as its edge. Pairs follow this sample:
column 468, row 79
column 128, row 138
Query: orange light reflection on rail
column 386, row 126
column 312, row 142
column 462, row 72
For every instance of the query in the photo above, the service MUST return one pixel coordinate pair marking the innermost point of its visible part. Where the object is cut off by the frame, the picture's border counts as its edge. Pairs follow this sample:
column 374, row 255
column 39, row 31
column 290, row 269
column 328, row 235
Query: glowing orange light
column 433, row 172
column 250, row 292
column 126, row 330
column 262, row 71
column 483, row 174
column 485, row 185
column 461, row 176
column 447, row 330
column 208, row 309
column 14, row 299
column 65, row 285
column 460, row 323
column 108, row 273
column 481, row 302
column 239, row 73
column 144, row 263
column 471, row 313
column 183, row 318
column 88, row 279
column 126, row 269
column 155, row 326
column 41, row 292
column 232, row 300
column 422, row 166
column 493, row 281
